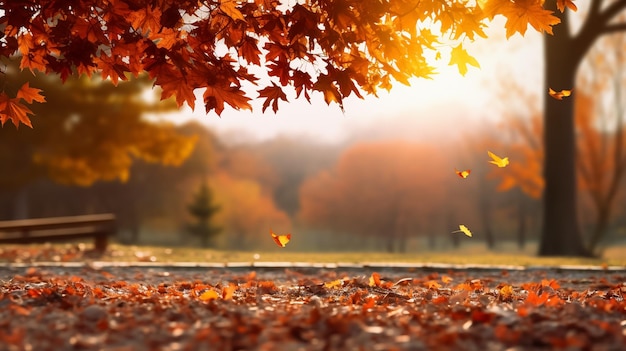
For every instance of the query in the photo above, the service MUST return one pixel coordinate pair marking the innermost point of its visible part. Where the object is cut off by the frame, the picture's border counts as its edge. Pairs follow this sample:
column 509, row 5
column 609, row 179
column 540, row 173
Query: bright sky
column 426, row 109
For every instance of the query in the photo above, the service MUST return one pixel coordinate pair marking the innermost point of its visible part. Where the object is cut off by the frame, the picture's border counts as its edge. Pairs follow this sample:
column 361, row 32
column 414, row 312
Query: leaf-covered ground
column 57, row 308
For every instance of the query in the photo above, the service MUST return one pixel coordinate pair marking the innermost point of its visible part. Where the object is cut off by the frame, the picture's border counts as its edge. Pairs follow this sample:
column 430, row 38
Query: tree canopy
column 333, row 47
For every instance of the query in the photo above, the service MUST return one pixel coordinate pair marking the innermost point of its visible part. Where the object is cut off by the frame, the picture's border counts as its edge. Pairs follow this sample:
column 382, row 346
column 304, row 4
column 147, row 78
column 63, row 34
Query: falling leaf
column 461, row 58
column 463, row 229
column 463, row 174
column 559, row 95
column 497, row 160
column 281, row 240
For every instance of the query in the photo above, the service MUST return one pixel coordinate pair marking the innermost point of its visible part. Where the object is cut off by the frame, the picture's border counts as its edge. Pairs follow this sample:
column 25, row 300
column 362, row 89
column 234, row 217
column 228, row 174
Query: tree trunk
column 521, row 224
column 600, row 228
column 560, row 234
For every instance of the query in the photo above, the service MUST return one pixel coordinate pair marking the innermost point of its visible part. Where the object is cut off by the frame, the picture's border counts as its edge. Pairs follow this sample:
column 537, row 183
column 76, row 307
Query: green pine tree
column 203, row 210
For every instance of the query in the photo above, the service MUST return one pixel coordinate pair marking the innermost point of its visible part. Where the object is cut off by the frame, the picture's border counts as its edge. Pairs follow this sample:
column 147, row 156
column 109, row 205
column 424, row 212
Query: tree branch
column 613, row 28
column 612, row 10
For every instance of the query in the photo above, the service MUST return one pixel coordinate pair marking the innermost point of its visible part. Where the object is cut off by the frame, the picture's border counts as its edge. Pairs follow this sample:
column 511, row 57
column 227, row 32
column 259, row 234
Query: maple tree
column 335, row 47
column 88, row 131
column 246, row 208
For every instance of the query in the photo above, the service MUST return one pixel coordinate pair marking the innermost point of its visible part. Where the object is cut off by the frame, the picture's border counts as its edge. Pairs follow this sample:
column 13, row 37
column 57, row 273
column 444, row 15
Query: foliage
column 383, row 190
column 203, row 210
column 247, row 212
column 305, row 310
column 334, row 47
column 89, row 130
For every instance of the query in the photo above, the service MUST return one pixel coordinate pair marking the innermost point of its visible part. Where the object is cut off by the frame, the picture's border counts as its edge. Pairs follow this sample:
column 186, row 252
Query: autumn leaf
column 374, row 279
column 520, row 14
column 432, row 285
column 463, row 174
column 461, row 58
column 30, row 94
column 463, row 229
column 215, row 97
column 562, row 4
column 280, row 240
column 14, row 110
column 498, row 161
column 335, row 284
column 506, row 292
column 209, row 295
column 272, row 95
column 559, row 95
column 229, row 7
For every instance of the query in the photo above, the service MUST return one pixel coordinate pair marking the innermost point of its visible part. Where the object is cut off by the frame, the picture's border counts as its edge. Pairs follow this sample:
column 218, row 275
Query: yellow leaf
column 280, row 240
column 461, row 58
column 334, row 284
column 498, row 161
column 506, row 292
column 229, row 7
column 464, row 173
column 463, row 229
column 559, row 95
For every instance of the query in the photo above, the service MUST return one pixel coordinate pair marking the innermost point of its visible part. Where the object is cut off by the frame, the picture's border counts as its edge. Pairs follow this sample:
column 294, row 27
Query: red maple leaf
column 271, row 95
column 215, row 97
column 30, row 94
column 14, row 110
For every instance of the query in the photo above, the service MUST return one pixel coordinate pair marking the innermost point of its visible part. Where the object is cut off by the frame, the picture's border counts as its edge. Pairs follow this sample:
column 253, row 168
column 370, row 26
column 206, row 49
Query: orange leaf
column 209, row 295
column 14, row 110
column 559, row 95
column 520, row 14
column 229, row 7
column 432, row 284
column 446, row 279
column 30, row 94
column 271, row 95
column 281, row 240
column 215, row 97
column 228, row 291
column 374, row 279
column 463, row 174
column 562, row 4
column 535, row 299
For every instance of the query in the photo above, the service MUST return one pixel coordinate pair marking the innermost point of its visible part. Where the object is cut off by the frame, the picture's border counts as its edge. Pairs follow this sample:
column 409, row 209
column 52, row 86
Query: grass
column 615, row 256
column 475, row 254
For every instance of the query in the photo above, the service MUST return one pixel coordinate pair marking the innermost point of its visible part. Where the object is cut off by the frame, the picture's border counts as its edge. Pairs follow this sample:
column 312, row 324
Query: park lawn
column 468, row 255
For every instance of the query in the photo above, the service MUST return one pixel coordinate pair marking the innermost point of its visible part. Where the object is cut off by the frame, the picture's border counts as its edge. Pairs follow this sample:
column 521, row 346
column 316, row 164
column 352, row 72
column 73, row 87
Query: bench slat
column 98, row 226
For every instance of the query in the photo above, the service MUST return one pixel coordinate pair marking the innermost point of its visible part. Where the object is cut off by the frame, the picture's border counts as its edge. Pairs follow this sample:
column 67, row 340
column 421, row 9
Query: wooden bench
column 25, row 231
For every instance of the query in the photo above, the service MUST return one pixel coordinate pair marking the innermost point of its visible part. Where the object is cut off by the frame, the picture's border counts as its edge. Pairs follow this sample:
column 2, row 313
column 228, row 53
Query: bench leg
column 100, row 243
